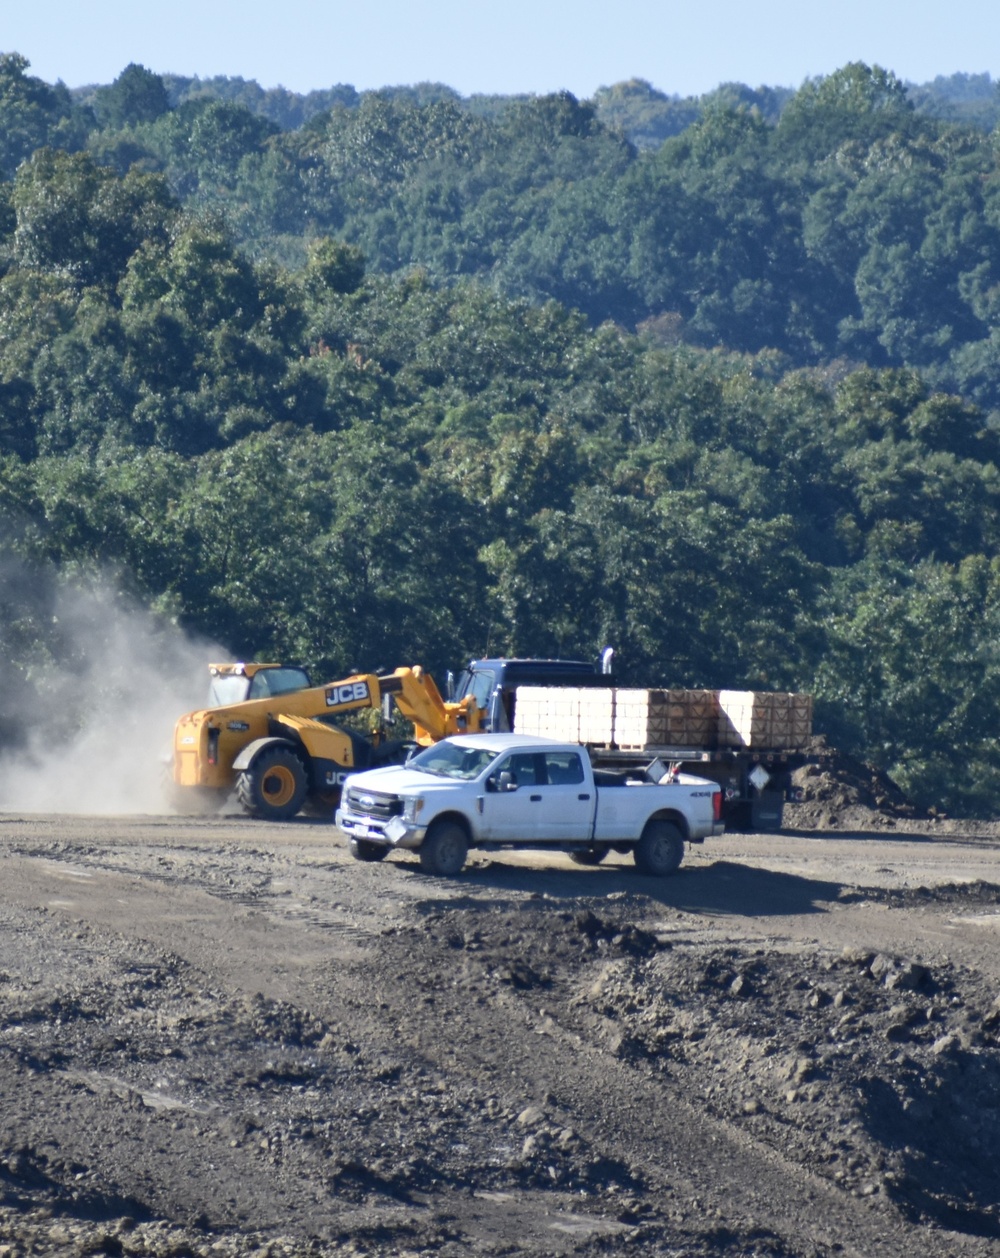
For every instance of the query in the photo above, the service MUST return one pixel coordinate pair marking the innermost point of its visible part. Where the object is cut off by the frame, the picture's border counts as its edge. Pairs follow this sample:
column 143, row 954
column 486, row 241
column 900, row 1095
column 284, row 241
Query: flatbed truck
column 756, row 781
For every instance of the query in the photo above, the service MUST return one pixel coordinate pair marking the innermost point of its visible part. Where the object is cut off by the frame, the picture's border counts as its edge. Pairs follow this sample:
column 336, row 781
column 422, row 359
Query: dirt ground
column 221, row 1037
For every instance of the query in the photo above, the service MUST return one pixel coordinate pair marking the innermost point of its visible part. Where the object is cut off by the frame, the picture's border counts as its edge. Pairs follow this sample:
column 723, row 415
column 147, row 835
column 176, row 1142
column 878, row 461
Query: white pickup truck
column 496, row 791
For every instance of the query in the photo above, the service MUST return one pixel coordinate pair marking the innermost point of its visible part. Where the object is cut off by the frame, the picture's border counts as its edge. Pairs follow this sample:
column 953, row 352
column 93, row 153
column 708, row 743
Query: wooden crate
column 666, row 718
column 764, row 719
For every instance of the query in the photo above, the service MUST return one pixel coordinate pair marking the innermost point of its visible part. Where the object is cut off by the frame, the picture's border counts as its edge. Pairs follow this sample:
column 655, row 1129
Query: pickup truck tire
column 274, row 786
column 444, row 849
column 362, row 850
column 660, row 850
column 592, row 855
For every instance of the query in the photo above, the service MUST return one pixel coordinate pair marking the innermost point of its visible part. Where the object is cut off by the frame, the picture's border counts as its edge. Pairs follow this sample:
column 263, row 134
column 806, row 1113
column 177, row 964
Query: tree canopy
column 412, row 378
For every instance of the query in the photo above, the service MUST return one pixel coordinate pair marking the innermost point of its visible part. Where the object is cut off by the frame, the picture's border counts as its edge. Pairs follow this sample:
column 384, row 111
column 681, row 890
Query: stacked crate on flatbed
column 569, row 713
column 597, row 715
column 764, row 719
column 632, row 720
column 665, row 718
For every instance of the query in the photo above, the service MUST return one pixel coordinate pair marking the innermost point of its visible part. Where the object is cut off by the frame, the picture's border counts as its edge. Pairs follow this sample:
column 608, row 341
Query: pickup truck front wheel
column 660, row 850
column 444, row 849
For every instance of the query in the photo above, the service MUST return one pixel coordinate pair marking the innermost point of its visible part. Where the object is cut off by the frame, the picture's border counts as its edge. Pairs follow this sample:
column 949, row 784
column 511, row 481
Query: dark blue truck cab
column 494, row 683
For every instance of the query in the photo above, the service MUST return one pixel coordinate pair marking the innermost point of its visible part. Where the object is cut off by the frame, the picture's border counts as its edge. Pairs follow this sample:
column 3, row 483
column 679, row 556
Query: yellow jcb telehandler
column 270, row 735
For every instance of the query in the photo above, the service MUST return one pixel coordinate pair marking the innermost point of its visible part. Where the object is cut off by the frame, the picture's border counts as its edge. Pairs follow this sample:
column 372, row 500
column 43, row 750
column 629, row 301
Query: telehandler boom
column 270, row 735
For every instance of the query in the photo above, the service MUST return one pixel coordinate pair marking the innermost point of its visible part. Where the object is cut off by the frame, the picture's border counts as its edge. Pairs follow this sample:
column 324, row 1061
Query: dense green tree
column 78, row 220
column 857, row 104
column 911, row 673
column 33, row 114
column 137, row 95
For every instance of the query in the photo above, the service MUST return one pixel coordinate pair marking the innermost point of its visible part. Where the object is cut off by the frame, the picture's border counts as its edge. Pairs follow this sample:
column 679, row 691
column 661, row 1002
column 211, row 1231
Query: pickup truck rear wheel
column 660, row 850
column 591, row 856
column 362, row 850
column 444, row 849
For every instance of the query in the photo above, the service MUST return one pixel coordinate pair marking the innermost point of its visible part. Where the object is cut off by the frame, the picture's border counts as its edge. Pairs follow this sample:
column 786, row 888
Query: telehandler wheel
column 444, row 849
column 660, row 850
column 274, row 787
column 592, row 855
column 362, row 850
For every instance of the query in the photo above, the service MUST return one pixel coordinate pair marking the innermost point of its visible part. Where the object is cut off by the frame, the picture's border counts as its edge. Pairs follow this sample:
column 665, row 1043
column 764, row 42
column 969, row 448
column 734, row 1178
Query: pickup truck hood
column 398, row 780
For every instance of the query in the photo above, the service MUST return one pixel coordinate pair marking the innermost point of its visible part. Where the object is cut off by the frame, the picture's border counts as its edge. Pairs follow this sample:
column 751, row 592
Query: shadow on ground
column 718, row 889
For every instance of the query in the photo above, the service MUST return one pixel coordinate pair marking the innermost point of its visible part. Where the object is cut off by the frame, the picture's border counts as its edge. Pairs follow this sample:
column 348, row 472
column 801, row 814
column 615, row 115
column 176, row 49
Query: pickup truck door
column 552, row 800
column 570, row 796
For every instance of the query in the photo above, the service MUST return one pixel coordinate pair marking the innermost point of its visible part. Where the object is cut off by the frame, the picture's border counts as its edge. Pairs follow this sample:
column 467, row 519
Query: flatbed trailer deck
column 756, row 783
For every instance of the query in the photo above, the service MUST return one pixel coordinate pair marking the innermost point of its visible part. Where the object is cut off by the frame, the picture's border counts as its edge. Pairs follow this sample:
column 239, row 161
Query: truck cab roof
column 516, row 671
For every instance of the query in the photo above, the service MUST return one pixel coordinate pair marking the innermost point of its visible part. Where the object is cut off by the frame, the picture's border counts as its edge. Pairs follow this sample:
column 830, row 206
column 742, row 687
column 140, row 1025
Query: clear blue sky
column 502, row 45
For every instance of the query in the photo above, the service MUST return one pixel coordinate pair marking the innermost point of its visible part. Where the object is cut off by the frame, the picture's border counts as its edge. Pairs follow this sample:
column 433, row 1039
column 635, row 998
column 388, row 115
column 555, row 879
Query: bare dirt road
column 220, row 1037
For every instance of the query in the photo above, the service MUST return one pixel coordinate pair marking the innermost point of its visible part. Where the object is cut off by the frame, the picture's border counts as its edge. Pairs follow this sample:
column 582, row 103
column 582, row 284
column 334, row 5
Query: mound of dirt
column 842, row 793
column 866, row 1089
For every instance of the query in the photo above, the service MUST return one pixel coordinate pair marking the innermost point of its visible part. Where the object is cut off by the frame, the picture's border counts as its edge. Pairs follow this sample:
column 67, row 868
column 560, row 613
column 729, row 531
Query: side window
column 523, row 767
column 563, row 768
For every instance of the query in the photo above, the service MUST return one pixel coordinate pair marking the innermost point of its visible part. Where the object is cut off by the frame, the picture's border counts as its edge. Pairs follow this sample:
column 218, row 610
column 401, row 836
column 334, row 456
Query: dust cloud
column 91, row 685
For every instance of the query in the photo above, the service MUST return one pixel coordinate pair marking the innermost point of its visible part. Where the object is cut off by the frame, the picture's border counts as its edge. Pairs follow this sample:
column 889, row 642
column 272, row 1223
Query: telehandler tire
column 273, row 787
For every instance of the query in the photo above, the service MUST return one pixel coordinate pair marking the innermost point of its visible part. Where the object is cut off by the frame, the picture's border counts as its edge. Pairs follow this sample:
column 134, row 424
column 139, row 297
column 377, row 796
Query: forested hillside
column 416, row 377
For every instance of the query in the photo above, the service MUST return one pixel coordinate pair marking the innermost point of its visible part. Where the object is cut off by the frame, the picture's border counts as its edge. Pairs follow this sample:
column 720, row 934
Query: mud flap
column 766, row 809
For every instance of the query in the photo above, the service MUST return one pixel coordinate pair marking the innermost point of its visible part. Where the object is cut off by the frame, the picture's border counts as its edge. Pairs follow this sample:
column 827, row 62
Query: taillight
column 213, row 746
column 717, row 805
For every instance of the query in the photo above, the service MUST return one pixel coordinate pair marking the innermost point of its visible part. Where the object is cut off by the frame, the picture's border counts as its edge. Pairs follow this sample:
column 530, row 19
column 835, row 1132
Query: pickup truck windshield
column 451, row 761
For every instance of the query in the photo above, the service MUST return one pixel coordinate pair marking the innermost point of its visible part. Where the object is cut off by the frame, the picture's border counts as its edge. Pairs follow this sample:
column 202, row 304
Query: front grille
column 371, row 804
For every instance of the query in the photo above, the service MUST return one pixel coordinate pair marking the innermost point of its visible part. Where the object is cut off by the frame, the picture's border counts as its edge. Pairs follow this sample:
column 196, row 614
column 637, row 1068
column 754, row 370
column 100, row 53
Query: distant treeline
column 646, row 115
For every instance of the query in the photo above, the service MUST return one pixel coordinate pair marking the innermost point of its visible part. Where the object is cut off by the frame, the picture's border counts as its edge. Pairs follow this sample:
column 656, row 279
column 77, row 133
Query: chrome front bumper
column 396, row 832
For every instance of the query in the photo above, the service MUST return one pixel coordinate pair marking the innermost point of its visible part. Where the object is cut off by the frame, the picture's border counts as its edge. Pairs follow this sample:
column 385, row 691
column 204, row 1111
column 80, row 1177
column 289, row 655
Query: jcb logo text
column 354, row 692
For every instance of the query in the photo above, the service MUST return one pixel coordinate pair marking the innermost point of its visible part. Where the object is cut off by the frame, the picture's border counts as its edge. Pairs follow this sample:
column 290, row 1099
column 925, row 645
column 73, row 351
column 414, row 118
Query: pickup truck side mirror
column 506, row 781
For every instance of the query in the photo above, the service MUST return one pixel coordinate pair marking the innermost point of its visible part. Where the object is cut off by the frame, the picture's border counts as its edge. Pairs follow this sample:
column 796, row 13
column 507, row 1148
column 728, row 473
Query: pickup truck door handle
column 583, row 797
column 536, row 799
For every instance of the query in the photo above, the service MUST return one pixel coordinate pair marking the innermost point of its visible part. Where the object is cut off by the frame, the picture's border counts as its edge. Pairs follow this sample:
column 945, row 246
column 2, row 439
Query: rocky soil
column 225, row 1038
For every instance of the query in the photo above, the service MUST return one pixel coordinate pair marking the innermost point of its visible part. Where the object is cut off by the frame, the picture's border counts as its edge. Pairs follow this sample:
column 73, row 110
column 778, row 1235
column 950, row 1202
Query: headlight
column 412, row 807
